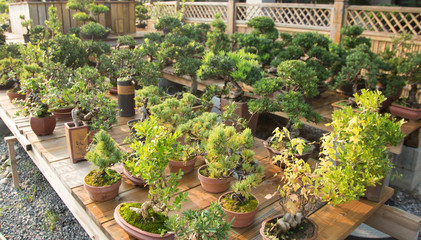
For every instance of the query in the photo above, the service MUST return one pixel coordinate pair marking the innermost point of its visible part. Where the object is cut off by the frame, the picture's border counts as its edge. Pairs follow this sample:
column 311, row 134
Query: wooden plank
column 132, row 18
column 395, row 223
column 12, row 156
column 113, row 16
column 338, row 222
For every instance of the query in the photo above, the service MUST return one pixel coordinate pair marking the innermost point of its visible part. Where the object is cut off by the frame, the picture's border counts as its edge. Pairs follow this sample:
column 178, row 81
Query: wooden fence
column 121, row 17
column 380, row 23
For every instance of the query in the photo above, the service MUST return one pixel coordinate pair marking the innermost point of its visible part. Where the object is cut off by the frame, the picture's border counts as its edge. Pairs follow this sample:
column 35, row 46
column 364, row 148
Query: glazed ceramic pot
column 136, row 232
column 102, row 194
column 313, row 237
column 186, row 167
column 213, row 185
column 240, row 219
column 76, row 140
column 43, row 126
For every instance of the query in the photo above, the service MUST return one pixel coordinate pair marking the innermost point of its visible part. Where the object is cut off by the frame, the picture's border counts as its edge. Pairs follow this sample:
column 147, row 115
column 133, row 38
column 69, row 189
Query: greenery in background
column 151, row 46
column 53, row 24
column 11, row 69
column 94, row 30
column 217, row 39
column 87, row 10
column 94, row 50
column 351, row 37
column 141, row 13
column 167, row 24
column 103, row 153
column 27, row 24
column 210, row 223
column 69, row 50
column 125, row 40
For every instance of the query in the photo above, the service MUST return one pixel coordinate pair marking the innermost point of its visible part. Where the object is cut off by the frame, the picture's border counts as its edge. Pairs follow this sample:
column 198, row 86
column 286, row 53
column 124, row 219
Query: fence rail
column 199, row 11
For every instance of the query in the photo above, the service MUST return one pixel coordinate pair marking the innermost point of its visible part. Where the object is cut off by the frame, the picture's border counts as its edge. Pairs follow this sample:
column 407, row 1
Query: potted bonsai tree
column 141, row 15
column 11, row 69
column 217, row 39
column 102, row 184
column 167, row 24
column 126, row 41
column 148, row 219
column 210, row 223
column 26, row 24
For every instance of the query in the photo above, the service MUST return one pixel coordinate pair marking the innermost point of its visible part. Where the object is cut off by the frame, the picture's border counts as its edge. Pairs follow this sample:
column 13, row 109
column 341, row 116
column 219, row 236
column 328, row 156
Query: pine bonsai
column 103, row 153
column 217, row 38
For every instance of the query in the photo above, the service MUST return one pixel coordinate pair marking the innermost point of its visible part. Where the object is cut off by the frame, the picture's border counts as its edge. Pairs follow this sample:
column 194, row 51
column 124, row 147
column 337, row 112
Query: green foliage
column 74, row 31
column 217, row 38
column 95, row 49
column 263, row 25
column 11, row 70
column 99, row 178
column 210, row 223
column 67, row 49
column 196, row 32
column 59, row 93
column 103, row 151
column 53, row 24
column 152, row 94
column 358, row 146
column 38, row 34
column 26, row 23
column 81, row 17
column 2, row 37
column 351, row 37
column 94, row 30
column 97, row 8
column 158, row 226
column 86, row 10
column 296, row 76
column 141, row 13
column 167, row 24
column 153, row 155
column 126, row 40
column 247, row 67
column 233, row 204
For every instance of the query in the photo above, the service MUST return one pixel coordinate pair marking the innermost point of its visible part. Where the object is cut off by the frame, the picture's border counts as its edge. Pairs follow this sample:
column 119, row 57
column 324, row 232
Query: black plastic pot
column 126, row 103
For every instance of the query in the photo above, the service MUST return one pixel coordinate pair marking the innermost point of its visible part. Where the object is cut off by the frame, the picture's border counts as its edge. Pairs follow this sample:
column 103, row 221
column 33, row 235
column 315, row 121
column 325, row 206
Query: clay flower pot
column 186, row 167
column 43, row 126
column 14, row 95
column 136, row 232
column 102, row 194
column 136, row 180
column 213, row 185
column 240, row 219
column 63, row 113
column 313, row 237
column 411, row 114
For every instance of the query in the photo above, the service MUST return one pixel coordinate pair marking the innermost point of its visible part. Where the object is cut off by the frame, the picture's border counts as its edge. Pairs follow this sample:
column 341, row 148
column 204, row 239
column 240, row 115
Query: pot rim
column 203, row 166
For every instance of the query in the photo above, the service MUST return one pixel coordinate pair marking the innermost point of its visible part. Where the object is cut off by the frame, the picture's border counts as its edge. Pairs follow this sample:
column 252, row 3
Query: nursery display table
column 50, row 155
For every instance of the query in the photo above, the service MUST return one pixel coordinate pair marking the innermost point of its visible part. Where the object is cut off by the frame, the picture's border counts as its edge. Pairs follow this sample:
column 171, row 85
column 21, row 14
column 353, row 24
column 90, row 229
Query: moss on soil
column 235, row 205
column 135, row 219
column 98, row 178
column 304, row 231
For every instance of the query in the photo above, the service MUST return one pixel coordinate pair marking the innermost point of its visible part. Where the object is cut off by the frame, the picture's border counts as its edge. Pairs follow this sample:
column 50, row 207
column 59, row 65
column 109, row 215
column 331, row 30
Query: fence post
column 231, row 17
column 177, row 7
column 338, row 19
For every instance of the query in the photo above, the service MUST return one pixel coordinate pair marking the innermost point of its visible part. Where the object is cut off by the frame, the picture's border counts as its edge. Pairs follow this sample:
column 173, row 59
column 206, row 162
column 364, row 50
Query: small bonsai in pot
column 210, row 223
column 11, row 69
column 358, row 147
column 141, row 15
column 26, row 24
column 103, row 183
column 167, row 24
column 126, row 41
column 153, row 154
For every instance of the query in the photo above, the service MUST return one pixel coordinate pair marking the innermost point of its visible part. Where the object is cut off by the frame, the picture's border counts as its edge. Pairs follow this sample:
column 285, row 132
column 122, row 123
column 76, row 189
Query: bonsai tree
column 412, row 70
column 11, row 70
column 103, row 153
column 141, row 13
column 167, row 24
column 217, row 38
column 126, row 40
column 210, row 223
column 351, row 37
column 94, row 51
column 358, row 147
column 151, row 45
column 297, row 81
column 94, row 30
column 67, row 49
column 26, row 23
column 86, row 11
column 154, row 153
column 195, row 32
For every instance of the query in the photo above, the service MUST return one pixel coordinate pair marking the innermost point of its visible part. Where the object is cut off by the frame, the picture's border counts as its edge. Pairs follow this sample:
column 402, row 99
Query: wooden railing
column 380, row 23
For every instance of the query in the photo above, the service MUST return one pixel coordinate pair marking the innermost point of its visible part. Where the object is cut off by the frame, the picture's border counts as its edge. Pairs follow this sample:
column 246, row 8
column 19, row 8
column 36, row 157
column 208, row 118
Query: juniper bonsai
column 217, row 38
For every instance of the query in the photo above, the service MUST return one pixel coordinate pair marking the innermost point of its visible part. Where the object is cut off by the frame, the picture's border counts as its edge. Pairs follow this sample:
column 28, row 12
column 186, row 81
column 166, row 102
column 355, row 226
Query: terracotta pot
column 14, row 95
column 43, row 126
column 273, row 152
column 113, row 91
column 136, row 180
column 213, row 185
column 374, row 193
column 102, row 194
column 240, row 219
column 77, row 140
column 279, row 216
column 186, row 167
column 136, row 232
column 63, row 113
column 411, row 114
column 242, row 111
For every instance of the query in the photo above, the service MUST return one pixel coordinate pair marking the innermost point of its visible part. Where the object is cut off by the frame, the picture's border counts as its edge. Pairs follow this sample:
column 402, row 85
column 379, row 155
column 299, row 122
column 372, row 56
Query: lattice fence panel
column 205, row 11
column 385, row 21
column 284, row 15
column 161, row 9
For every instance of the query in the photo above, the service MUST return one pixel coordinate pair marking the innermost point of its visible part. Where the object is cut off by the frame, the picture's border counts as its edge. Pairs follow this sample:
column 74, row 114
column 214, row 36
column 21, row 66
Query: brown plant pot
column 136, row 180
column 242, row 111
column 102, row 194
column 63, row 113
column 279, row 216
column 213, row 185
column 126, row 103
column 43, row 126
column 26, row 37
column 136, row 232
column 273, row 152
column 240, row 219
column 411, row 114
column 77, row 140
column 14, row 95
column 186, row 167
column 374, row 193
column 113, row 91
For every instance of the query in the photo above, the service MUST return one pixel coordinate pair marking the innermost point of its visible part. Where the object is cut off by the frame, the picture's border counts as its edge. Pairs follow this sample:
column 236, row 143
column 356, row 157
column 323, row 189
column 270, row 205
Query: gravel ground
column 35, row 211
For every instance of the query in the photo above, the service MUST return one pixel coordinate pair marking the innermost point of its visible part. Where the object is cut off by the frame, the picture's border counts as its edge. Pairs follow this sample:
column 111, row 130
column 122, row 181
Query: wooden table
column 50, row 155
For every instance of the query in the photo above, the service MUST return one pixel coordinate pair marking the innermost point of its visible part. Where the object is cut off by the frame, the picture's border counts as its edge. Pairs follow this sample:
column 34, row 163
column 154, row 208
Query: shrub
column 94, row 30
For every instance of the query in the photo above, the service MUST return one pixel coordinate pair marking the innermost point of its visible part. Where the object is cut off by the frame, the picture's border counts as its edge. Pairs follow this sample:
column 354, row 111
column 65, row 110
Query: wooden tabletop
column 50, row 155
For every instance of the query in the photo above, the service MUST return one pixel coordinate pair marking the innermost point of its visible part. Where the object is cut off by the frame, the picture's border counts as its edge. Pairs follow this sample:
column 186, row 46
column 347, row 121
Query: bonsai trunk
column 193, row 87
column 412, row 96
